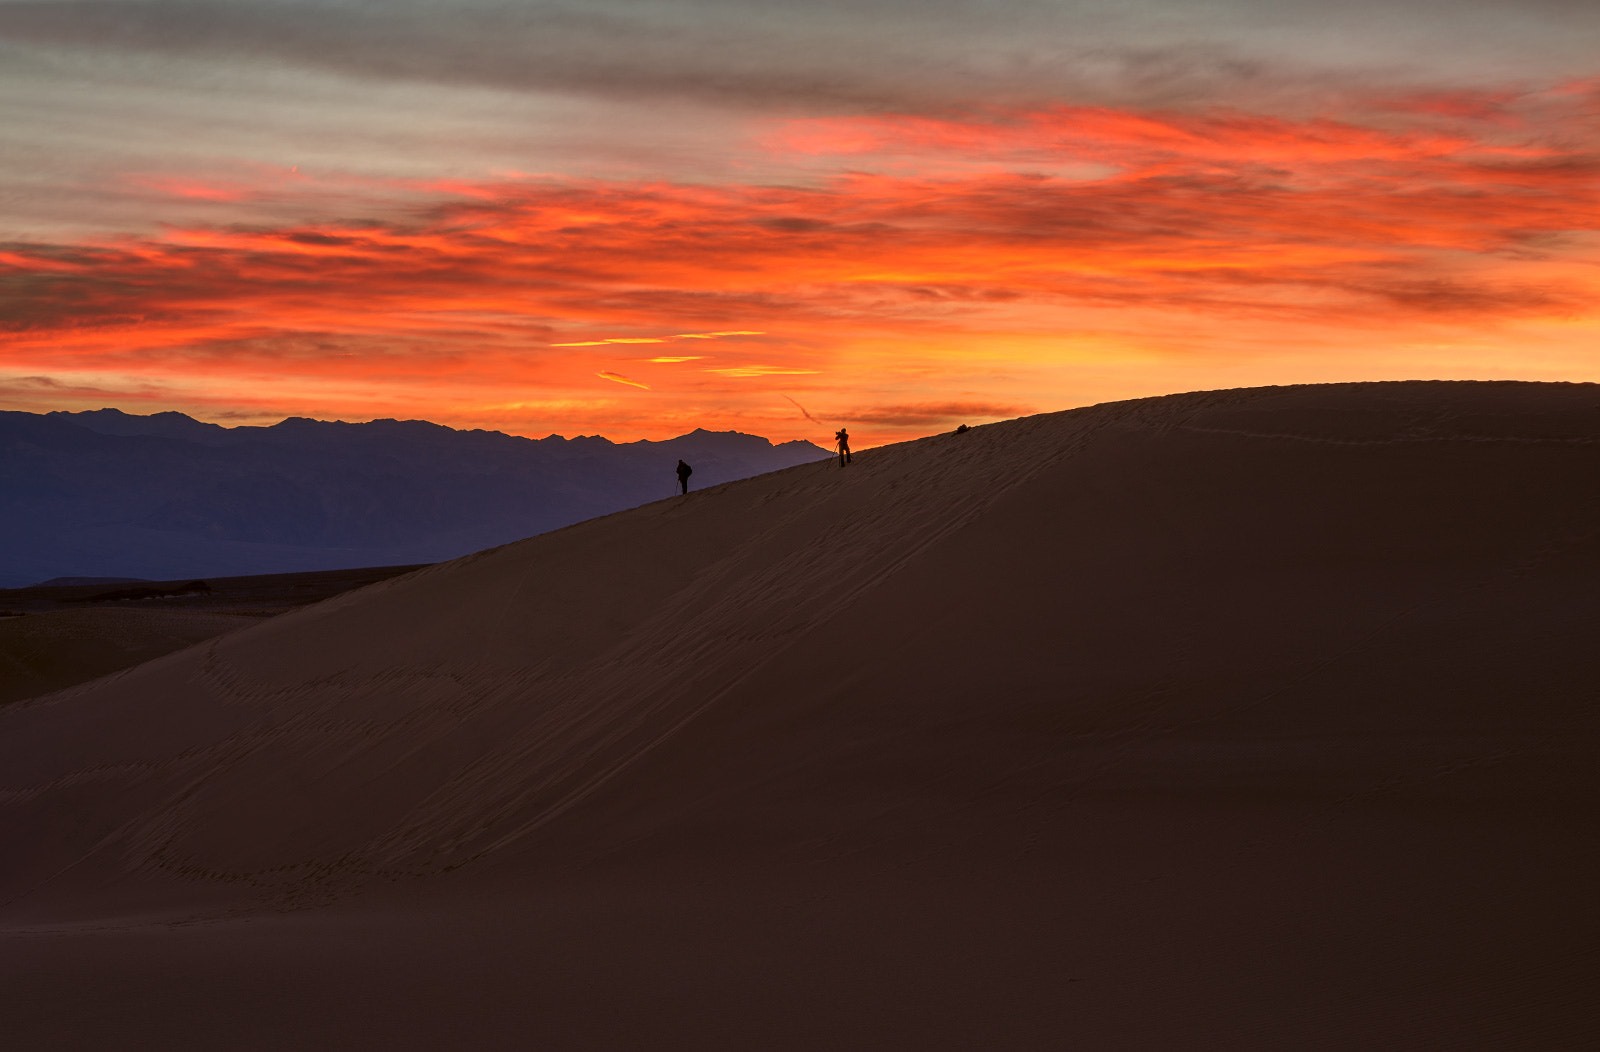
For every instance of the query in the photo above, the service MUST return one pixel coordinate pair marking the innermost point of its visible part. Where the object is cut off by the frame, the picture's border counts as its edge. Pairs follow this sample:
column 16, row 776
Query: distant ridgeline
column 163, row 497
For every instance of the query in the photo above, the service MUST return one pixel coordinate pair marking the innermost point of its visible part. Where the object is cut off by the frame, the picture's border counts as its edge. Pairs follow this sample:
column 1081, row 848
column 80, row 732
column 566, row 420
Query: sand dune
column 1259, row 718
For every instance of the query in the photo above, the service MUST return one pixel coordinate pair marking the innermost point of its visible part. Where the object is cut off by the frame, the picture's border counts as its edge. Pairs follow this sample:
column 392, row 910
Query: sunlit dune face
column 936, row 270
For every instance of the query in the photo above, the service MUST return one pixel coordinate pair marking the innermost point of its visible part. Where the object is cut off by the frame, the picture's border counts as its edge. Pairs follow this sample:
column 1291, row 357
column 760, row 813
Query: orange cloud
column 1190, row 250
column 602, row 343
column 761, row 370
column 656, row 339
column 619, row 378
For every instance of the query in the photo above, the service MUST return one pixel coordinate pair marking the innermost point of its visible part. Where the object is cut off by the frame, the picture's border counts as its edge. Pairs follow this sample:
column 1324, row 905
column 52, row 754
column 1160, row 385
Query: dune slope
column 1247, row 718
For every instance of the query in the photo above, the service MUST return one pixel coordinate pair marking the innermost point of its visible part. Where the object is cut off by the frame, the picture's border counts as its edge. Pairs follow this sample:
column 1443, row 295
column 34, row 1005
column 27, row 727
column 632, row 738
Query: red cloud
column 1223, row 216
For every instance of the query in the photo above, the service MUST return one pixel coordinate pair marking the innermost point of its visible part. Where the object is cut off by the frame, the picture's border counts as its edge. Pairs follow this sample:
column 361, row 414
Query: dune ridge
column 1242, row 717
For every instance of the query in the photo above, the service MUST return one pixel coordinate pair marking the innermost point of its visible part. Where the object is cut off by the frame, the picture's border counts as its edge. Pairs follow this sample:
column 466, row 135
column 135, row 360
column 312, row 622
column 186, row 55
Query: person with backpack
column 684, row 471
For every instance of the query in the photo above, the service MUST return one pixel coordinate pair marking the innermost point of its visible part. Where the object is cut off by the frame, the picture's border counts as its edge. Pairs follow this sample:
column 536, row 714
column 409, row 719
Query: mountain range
column 106, row 493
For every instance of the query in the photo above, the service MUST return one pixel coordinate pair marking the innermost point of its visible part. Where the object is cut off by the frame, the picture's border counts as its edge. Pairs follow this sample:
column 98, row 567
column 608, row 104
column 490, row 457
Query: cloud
column 194, row 189
column 841, row 55
column 606, row 374
column 40, row 393
column 1344, row 232
column 744, row 371
column 41, row 383
column 935, row 414
column 1458, row 298
column 1216, row 213
column 602, row 343
column 656, row 339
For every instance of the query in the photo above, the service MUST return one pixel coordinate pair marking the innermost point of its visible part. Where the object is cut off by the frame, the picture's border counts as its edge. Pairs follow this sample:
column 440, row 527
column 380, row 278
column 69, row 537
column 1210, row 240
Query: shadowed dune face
column 46, row 652
column 64, row 634
column 1275, row 709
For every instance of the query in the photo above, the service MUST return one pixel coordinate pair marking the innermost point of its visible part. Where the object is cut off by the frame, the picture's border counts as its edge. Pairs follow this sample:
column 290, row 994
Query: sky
column 638, row 217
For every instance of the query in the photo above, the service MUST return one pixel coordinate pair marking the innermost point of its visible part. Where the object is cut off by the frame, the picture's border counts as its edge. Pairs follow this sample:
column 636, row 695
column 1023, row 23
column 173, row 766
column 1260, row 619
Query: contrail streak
column 805, row 414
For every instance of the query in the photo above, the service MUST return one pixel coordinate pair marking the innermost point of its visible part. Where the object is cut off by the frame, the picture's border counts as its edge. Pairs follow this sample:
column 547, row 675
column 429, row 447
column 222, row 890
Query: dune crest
column 1272, row 707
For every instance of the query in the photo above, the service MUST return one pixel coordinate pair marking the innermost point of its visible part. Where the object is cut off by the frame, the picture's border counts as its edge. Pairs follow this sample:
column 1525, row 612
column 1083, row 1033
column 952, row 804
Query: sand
column 54, row 636
column 1247, row 719
column 45, row 652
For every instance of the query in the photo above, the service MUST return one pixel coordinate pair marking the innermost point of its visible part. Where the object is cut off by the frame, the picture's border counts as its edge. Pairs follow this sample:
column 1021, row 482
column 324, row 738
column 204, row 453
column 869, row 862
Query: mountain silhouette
column 111, row 494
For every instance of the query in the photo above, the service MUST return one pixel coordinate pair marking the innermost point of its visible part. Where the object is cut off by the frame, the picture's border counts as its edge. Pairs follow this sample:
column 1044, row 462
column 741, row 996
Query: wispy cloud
column 761, row 370
column 657, row 339
column 1085, row 231
column 619, row 378
column 838, row 56
column 936, row 414
column 602, row 343
column 1212, row 212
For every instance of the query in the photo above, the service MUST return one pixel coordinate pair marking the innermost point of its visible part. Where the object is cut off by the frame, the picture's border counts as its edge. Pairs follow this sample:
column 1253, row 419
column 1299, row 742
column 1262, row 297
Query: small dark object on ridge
column 963, row 429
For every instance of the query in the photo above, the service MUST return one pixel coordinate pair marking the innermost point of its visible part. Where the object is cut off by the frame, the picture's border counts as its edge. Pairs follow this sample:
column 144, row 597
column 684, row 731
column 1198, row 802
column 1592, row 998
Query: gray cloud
column 867, row 54
column 31, row 393
column 98, row 93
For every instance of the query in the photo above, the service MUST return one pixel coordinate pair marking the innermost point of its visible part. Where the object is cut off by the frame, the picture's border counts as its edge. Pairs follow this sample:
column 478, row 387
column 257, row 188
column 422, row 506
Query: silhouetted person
column 843, row 438
column 684, row 471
